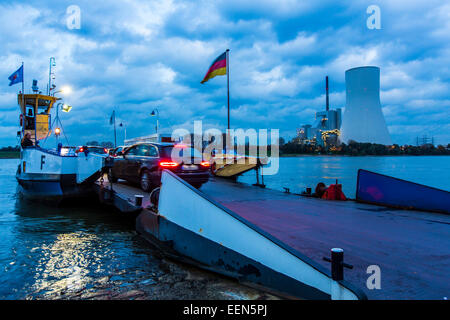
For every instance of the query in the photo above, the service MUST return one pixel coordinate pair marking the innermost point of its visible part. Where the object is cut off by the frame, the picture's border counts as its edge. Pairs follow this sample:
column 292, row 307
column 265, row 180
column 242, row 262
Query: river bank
column 296, row 155
column 364, row 149
column 9, row 154
column 170, row 281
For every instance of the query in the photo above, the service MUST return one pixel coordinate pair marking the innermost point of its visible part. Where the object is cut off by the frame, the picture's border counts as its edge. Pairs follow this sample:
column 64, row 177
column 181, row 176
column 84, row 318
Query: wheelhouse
column 35, row 115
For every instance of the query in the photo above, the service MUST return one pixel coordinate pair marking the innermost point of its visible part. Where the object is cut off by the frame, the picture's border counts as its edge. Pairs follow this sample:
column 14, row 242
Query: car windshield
column 181, row 152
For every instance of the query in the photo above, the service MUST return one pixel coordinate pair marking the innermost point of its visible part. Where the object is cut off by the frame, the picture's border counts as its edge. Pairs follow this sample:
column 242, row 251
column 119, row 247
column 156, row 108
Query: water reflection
column 47, row 251
column 66, row 264
column 62, row 251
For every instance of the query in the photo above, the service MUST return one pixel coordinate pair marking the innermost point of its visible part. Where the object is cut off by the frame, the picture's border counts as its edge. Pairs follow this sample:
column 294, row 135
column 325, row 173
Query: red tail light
column 104, row 149
column 204, row 164
column 80, row 149
column 168, row 164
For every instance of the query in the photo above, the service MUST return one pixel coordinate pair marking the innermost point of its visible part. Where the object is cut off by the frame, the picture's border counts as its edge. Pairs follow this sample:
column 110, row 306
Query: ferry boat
column 51, row 173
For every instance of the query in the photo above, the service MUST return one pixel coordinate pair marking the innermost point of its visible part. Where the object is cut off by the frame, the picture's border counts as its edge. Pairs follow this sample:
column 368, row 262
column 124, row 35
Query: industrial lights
column 57, row 131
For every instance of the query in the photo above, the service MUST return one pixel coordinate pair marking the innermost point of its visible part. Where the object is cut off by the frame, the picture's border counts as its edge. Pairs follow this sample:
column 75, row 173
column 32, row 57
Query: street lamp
column 155, row 112
column 125, row 131
column 65, row 108
column 64, row 90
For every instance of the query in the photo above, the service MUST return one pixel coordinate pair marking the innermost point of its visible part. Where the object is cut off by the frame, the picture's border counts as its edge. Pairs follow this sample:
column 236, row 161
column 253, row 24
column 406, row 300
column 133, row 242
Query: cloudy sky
column 135, row 56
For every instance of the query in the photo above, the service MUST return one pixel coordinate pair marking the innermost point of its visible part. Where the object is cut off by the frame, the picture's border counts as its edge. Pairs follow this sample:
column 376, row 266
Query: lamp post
column 58, row 129
column 155, row 112
column 65, row 108
column 125, row 131
column 64, row 90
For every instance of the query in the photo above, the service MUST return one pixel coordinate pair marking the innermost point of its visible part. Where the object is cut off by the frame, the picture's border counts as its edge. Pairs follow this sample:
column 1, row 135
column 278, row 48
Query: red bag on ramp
column 334, row 192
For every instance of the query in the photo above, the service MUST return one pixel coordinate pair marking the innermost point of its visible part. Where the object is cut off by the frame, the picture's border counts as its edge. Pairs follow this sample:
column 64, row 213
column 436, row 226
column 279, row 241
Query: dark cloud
column 134, row 56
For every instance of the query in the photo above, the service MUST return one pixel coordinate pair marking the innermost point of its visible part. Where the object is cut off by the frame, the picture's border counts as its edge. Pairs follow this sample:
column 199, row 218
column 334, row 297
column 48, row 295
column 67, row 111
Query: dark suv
column 143, row 163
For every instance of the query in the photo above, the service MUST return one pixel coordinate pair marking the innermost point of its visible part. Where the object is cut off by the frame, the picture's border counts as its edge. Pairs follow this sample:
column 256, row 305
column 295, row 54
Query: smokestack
column 326, row 87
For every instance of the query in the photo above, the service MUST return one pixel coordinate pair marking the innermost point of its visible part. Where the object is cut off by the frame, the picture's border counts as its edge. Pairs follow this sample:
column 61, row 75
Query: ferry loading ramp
column 411, row 248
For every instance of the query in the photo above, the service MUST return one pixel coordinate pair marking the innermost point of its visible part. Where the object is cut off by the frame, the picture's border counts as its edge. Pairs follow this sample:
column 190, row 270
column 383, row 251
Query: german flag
column 218, row 68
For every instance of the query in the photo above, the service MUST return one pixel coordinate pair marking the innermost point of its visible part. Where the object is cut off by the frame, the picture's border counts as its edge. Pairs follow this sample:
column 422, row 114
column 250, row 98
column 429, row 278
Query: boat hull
column 45, row 175
column 203, row 231
column 172, row 239
column 50, row 187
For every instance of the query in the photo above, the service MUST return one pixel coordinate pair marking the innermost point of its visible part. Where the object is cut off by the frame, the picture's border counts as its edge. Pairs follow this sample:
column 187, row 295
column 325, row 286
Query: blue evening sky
column 135, row 56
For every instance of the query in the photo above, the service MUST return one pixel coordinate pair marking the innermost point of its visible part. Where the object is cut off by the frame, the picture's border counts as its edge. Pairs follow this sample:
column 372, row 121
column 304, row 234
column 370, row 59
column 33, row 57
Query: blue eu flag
column 16, row 77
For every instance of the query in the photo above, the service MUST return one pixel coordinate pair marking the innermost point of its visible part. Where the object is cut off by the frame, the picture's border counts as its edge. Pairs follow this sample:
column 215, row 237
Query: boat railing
column 64, row 152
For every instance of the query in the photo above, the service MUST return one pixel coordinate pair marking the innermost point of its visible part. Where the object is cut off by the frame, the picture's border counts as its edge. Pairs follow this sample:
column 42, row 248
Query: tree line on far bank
column 104, row 144
column 293, row 148
column 10, row 152
column 6, row 149
column 361, row 149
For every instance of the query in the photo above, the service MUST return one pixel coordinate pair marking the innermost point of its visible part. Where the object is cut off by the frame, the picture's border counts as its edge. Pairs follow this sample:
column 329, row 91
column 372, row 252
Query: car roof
column 161, row 144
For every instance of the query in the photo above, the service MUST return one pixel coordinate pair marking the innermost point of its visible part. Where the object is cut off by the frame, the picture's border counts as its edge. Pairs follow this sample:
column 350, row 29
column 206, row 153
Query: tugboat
column 51, row 173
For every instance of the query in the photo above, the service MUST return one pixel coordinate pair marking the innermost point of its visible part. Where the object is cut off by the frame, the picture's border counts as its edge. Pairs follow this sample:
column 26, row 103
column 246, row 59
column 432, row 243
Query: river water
column 89, row 252
column 297, row 173
column 86, row 251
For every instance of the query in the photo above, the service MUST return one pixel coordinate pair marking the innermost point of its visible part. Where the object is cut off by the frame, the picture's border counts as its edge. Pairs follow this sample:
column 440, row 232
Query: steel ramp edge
column 206, row 222
column 379, row 189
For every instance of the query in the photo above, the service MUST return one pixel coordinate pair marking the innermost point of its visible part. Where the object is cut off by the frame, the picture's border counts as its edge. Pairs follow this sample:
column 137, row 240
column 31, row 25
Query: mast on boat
column 35, row 108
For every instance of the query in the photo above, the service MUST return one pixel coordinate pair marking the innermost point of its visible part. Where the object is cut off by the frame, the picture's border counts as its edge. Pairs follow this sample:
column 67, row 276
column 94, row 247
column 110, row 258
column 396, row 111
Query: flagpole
column 23, row 99
column 228, row 100
column 228, row 85
column 23, row 80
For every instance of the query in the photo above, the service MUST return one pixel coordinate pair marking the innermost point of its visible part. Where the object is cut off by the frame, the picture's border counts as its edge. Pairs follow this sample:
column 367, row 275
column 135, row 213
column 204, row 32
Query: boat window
column 30, row 102
column 43, row 105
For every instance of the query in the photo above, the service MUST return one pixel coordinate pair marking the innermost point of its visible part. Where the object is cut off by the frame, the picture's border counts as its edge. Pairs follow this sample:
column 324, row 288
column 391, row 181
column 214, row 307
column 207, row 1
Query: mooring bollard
column 337, row 264
column 337, row 272
column 138, row 200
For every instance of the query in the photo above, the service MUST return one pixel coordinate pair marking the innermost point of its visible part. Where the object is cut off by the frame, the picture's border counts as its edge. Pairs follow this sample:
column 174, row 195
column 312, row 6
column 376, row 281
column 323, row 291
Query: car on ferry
column 143, row 163
column 115, row 152
column 93, row 149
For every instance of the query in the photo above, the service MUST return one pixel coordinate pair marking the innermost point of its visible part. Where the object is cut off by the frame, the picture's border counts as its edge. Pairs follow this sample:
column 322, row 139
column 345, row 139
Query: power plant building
column 363, row 118
column 325, row 129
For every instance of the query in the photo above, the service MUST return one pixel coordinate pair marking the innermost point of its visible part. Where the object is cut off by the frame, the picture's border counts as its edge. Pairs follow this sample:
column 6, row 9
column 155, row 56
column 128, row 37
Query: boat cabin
column 35, row 114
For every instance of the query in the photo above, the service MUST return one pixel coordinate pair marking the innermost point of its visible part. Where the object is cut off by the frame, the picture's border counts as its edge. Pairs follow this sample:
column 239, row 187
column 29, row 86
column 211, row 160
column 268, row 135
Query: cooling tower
column 363, row 119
